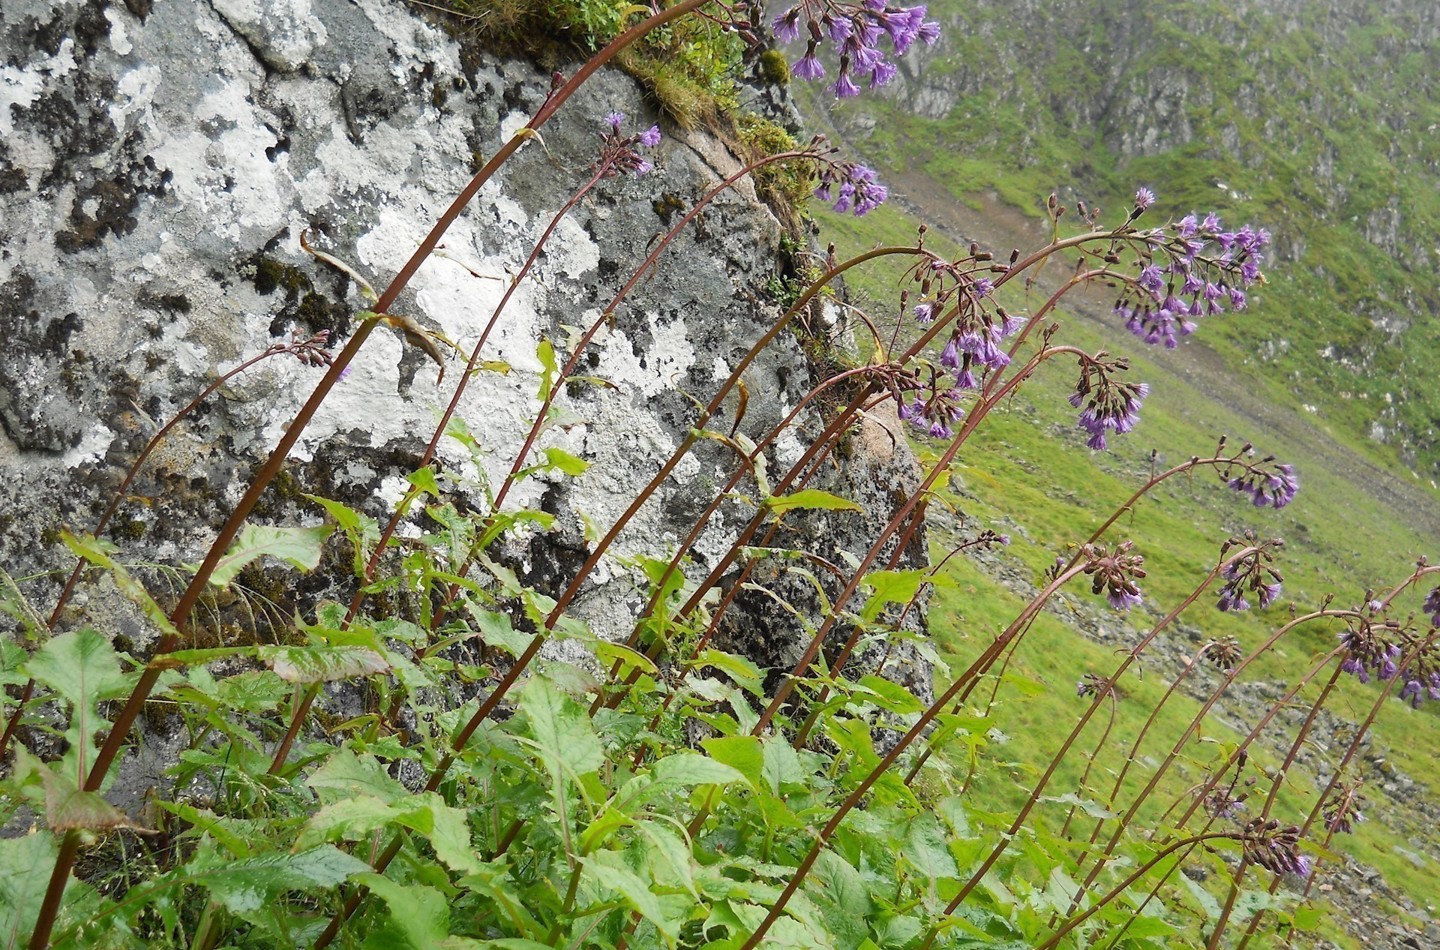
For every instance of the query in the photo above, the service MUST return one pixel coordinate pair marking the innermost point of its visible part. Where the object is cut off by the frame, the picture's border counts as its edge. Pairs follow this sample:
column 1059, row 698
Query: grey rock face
column 158, row 166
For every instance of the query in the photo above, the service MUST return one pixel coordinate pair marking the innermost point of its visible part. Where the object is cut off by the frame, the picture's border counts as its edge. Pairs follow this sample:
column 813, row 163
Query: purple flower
column 808, row 67
column 650, row 137
column 843, row 87
column 1432, row 606
column 615, row 120
column 924, row 312
column 787, row 25
column 1144, row 198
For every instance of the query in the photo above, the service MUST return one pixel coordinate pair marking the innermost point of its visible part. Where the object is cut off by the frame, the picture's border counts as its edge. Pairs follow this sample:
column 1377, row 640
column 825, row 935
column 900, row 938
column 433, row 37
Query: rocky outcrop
column 160, row 163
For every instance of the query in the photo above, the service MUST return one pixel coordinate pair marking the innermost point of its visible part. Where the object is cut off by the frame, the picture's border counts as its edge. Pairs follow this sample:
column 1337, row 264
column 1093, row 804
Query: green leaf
column 809, row 499
column 346, row 775
column 68, row 808
column 418, row 918
column 741, row 669
column 25, row 864
column 609, row 872
column 891, row 587
column 926, row 849
column 782, row 764
column 423, row 479
column 297, row 546
column 565, row 462
column 607, row 651
column 81, row 666
column 691, row 768
column 322, row 664
column 888, row 695
column 844, row 902
column 545, row 352
column 496, row 629
column 561, row 730
column 244, row 887
column 742, row 753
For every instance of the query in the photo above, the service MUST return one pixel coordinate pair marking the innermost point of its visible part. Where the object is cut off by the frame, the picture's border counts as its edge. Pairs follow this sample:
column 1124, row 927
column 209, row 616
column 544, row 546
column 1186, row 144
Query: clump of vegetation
column 669, row 792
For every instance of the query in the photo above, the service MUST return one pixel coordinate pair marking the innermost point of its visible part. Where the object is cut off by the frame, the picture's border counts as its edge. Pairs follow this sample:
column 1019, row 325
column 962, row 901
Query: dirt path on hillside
column 999, row 228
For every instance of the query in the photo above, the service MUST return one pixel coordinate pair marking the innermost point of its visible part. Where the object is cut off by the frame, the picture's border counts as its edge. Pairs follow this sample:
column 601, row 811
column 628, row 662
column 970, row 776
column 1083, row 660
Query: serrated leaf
column 81, row 666
column 244, row 887
column 496, row 630
column 691, row 768
column 299, row 547
column 346, row 775
column 25, row 864
column 926, row 848
column 418, row 918
column 891, row 587
column 561, row 730
column 742, row 753
column 69, row 808
column 810, row 499
column 322, row 664
column 608, row 871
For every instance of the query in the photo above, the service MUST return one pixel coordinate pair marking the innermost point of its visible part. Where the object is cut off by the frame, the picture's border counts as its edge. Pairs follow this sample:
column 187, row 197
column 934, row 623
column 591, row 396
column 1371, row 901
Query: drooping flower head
column 1250, row 573
column 1115, row 573
column 933, row 408
column 1342, row 809
column 1267, row 482
column 1106, row 404
column 619, row 154
column 854, row 32
column 1186, row 270
column 1275, row 848
column 851, row 187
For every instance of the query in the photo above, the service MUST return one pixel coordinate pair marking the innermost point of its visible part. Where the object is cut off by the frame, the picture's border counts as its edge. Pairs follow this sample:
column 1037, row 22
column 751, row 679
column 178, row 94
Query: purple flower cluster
column 1092, row 684
column 1342, row 811
column 1432, row 606
column 935, row 409
column 1115, row 573
column 1192, row 269
column 618, row 154
column 1106, row 405
column 1276, row 488
column 1371, row 648
column 855, row 31
column 852, row 187
column 1251, row 573
column 1274, row 848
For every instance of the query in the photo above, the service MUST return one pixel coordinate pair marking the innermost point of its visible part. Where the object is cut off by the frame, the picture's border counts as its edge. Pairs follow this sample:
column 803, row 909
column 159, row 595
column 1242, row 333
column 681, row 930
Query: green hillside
column 1317, row 120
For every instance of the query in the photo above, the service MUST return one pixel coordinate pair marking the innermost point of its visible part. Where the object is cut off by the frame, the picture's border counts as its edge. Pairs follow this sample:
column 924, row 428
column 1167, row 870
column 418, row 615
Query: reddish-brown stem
column 921, row 724
column 972, row 420
column 1187, row 843
column 1131, row 657
column 1124, row 821
column 45, row 920
column 120, row 494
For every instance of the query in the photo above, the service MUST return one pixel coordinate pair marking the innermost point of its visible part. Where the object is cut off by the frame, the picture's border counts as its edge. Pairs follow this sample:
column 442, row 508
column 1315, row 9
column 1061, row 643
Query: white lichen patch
column 667, row 358
column 92, row 448
column 285, row 32
column 21, row 86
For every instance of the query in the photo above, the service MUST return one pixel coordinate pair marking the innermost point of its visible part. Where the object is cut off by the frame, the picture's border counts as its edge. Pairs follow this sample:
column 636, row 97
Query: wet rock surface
column 159, row 164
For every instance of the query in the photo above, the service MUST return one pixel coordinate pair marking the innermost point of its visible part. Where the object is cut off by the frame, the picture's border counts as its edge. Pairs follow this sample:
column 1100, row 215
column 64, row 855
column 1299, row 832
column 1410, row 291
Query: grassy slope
column 1027, row 473
column 1318, row 133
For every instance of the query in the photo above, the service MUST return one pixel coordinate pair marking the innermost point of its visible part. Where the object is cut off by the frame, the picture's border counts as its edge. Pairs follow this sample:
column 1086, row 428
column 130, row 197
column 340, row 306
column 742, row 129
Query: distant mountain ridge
column 1318, row 120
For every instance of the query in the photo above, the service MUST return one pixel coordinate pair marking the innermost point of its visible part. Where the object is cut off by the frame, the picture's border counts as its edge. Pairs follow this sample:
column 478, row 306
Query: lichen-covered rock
column 158, row 167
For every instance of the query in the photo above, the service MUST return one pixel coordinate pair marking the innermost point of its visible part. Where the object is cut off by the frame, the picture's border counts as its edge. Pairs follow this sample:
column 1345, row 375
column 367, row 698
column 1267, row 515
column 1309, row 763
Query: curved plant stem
column 120, row 728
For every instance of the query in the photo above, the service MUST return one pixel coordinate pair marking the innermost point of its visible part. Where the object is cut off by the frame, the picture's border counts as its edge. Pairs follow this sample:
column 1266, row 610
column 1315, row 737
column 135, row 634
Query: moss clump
column 774, row 68
column 789, row 182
